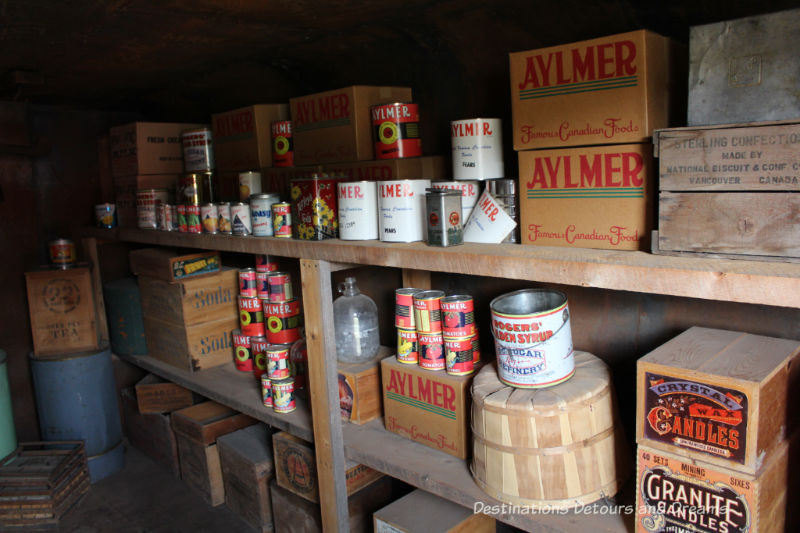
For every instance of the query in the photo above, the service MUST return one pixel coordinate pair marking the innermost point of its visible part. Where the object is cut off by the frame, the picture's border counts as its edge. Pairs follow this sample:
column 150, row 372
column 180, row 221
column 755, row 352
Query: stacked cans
column 436, row 331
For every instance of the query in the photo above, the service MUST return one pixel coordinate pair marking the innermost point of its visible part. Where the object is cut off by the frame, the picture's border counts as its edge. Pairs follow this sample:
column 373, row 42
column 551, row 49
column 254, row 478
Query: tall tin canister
column 358, row 210
column 477, row 145
column 198, row 150
column 8, row 435
column 401, row 216
column 76, row 400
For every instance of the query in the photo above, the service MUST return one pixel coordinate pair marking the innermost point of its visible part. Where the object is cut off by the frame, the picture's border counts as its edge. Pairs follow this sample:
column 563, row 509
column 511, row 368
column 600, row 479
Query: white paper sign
column 488, row 223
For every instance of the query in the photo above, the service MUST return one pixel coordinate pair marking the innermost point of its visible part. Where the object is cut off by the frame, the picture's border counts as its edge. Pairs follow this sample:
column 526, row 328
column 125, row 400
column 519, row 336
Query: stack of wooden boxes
column 715, row 421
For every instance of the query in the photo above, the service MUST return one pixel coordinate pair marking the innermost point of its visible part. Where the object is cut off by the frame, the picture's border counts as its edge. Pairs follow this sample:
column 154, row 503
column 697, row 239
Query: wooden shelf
column 449, row 477
column 743, row 281
column 238, row 390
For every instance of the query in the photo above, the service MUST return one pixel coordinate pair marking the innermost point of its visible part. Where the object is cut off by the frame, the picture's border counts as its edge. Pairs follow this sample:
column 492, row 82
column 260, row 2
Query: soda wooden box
column 726, row 398
column 192, row 300
column 676, row 493
column 420, row 511
column 155, row 395
column 62, row 311
column 427, row 406
column 336, row 125
column 427, row 167
column 730, row 189
column 296, row 468
column 170, row 265
column 615, row 89
column 587, row 197
column 360, row 389
column 247, row 467
column 243, row 137
column 147, row 148
column 150, row 433
column 204, row 422
column 193, row 347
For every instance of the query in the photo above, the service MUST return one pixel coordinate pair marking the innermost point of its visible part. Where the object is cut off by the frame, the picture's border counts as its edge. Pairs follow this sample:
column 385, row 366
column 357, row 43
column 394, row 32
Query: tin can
column 278, row 361
column 266, row 390
column 265, row 263
column 443, row 208
column 243, row 356
column 196, row 188
column 161, row 218
column 283, row 396
column 407, row 347
column 470, row 191
column 401, row 205
column 193, row 224
column 476, row 349
column 251, row 317
column 282, row 144
column 172, row 218
column 477, row 148
column 428, row 311
column 298, row 358
column 283, row 321
column 280, row 286
column 431, row 351
column 240, row 219
column 224, row 224
column 488, row 223
column 164, row 213
column 314, row 208
column 259, row 347
column 504, row 191
column 261, row 213
column 249, row 184
column 247, row 283
column 262, row 286
column 459, row 360
column 532, row 338
column 106, row 215
column 282, row 220
column 396, row 130
column 209, row 216
column 146, row 202
column 458, row 316
column 62, row 253
column 182, row 226
column 198, row 150
column 358, row 210
column 404, row 307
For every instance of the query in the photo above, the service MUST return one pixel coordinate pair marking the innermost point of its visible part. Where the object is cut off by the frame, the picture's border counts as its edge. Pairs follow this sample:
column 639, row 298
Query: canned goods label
column 283, row 396
column 404, row 307
column 401, row 206
column 262, row 286
column 282, row 220
column 171, row 218
column 431, row 352
column 407, row 347
column 298, row 359
column 458, row 317
column 396, row 130
column 459, row 360
column 251, row 316
column 477, row 148
column 278, row 362
column 280, row 286
column 358, row 210
column 240, row 220
column 476, row 349
column 147, row 200
column 427, row 311
column 247, row 283
column 283, row 321
column 259, row 347
column 249, row 184
column 282, row 144
column 106, row 215
column 182, row 226
column 314, row 208
column 209, row 214
column 264, row 263
column 243, row 355
column 261, row 213
column 193, row 219
column 62, row 252
column 224, row 218
column 469, row 191
column 198, row 151
column 443, row 208
column 266, row 390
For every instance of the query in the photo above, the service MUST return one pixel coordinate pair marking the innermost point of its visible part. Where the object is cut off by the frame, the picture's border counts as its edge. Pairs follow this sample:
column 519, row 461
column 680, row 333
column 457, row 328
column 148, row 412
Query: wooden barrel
column 552, row 448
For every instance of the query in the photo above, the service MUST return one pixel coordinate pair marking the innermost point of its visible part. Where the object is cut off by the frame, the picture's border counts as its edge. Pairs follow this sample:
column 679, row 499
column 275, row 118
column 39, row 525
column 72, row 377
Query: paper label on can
column 488, row 223
column 198, row 152
column 261, row 215
column 402, row 210
column 358, row 210
column 477, row 147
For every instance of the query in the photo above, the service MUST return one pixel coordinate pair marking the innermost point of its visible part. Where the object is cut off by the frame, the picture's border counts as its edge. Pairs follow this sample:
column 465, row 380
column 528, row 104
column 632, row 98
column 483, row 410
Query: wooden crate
column 360, row 389
column 62, row 311
column 201, row 469
column 247, row 467
column 204, row 422
column 39, row 482
column 726, row 398
column 151, row 434
column 170, row 265
column 729, row 190
column 296, row 468
column 155, row 395
column 194, row 347
column 293, row 514
column 420, row 511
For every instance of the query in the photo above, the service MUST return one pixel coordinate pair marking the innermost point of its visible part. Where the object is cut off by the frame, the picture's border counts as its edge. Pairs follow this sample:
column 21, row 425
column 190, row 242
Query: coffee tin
column 259, row 347
column 278, row 366
column 428, row 311
column 459, row 360
column 209, row 216
column 249, row 184
column 62, row 253
column 266, row 390
column 407, row 346
column 243, row 357
column 404, row 307
column 477, row 148
column 282, row 220
column 251, row 317
column 224, row 224
column 358, row 210
column 198, row 150
column 282, row 144
column 458, row 316
column 314, row 208
column 261, row 213
column 443, row 209
column 396, row 130
column 431, row 351
column 401, row 205
column 241, row 222
column 106, row 215
column 283, row 321
column 193, row 224
column 283, row 396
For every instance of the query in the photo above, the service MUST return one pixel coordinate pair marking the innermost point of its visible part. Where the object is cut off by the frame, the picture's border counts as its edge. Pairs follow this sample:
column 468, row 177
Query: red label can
column 243, row 357
column 259, row 346
column 251, row 317
column 265, row 263
column 298, row 359
column 283, row 396
column 404, row 307
column 266, row 390
column 283, row 321
column 396, row 128
column 278, row 362
column 282, row 144
column 314, row 208
column 262, row 286
column 182, row 227
column 458, row 317
column 458, row 356
column 407, row 347
column 428, row 311
column 62, row 252
column 476, row 349
column 280, row 286
column 282, row 220
column 193, row 224
column 431, row 351
column 247, row 283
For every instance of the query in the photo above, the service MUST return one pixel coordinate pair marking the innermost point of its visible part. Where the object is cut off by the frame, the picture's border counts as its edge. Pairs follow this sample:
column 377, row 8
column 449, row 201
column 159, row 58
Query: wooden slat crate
column 150, row 433
column 155, row 395
column 39, row 482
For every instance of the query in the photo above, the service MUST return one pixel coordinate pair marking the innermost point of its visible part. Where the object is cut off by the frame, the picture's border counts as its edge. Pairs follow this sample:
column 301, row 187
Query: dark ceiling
column 178, row 58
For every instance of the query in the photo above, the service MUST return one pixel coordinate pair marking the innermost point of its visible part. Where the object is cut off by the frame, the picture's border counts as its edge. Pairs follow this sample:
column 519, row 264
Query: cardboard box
column 429, row 407
column 151, row 433
column 243, row 137
column 192, row 347
column 588, row 197
column 125, row 188
column 155, row 395
column 62, row 311
column 201, row 469
column 745, row 70
column 615, row 89
column 722, row 397
column 336, row 125
column 247, row 468
column 296, row 468
column 428, row 167
column 191, row 300
column 675, row 493
column 147, row 148
column 204, row 422
column 420, row 511
column 360, row 390
column 170, row 265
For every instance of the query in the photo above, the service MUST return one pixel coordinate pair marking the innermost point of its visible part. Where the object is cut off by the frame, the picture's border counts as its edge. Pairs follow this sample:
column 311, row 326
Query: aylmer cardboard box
column 426, row 167
column 147, row 148
column 335, row 126
column 243, row 137
column 587, row 197
column 615, row 89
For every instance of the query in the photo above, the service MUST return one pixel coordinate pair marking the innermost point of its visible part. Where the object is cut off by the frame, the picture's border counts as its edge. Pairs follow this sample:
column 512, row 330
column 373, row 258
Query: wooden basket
column 553, row 448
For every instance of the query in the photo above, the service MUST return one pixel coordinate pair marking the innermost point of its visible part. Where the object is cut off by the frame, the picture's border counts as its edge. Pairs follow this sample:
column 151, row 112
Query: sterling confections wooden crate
column 722, row 397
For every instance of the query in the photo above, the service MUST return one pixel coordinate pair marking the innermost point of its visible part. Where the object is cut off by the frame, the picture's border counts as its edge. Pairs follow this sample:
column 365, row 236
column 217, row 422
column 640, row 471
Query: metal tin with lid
column 198, row 150
column 261, row 213
column 445, row 226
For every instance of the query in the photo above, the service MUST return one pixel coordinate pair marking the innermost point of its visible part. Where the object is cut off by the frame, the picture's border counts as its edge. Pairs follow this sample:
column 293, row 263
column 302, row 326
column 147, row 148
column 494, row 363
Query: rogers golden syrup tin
column 283, row 395
column 428, row 312
column 243, row 357
column 266, row 390
column 198, row 150
column 404, row 307
column 251, row 317
column 407, row 346
column 396, row 130
column 282, row 144
column 278, row 366
column 431, row 351
column 459, row 359
column 259, row 347
column 283, row 321
column 458, row 316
